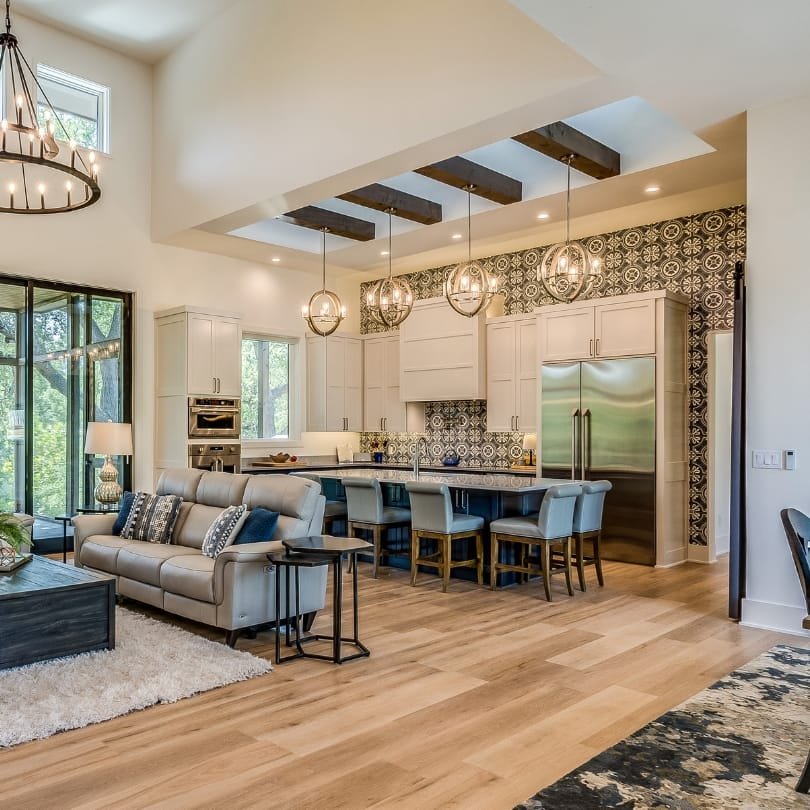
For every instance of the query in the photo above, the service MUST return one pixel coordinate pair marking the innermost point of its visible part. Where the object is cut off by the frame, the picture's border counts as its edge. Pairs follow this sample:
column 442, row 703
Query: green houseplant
column 12, row 538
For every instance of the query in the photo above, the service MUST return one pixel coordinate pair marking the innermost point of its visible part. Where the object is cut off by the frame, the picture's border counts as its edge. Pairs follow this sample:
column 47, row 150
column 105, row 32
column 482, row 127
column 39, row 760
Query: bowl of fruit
column 280, row 458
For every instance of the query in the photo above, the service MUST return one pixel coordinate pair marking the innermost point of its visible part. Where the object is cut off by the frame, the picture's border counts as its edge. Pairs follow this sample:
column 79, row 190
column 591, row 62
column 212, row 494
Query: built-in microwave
column 214, row 418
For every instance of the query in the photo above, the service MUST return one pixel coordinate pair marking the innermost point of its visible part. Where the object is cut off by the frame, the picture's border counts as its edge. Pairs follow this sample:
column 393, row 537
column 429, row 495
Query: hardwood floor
column 471, row 699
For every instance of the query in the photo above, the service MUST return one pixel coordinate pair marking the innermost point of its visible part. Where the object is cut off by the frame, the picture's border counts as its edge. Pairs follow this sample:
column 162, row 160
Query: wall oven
column 214, row 457
column 214, row 418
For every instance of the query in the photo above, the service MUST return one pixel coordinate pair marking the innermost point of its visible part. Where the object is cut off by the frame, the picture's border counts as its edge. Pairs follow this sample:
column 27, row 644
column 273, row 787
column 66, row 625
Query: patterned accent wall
column 693, row 255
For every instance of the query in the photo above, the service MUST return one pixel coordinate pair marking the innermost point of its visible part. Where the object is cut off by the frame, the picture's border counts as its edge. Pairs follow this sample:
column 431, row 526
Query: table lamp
column 530, row 444
column 108, row 439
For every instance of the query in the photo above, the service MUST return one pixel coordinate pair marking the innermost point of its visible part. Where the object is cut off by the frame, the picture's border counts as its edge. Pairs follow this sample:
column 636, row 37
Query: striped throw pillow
column 152, row 517
column 222, row 532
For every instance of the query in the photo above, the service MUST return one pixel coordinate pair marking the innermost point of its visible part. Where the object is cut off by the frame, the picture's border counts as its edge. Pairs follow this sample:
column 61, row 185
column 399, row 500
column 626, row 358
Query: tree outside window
column 266, row 385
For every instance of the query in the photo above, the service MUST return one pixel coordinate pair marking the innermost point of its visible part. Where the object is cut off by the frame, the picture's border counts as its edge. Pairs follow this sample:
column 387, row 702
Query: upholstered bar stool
column 552, row 525
column 588, row 527
column 432, row 519
column 368, row 512
column 334, row 510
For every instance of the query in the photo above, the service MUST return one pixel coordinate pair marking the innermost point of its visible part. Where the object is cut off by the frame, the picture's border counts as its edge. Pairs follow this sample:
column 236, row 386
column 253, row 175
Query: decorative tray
column 265, row 462
column 22, row 559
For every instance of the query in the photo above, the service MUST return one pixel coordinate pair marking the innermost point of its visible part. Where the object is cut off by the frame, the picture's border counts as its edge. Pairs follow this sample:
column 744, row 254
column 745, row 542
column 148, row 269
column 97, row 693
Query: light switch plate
column 767, row 459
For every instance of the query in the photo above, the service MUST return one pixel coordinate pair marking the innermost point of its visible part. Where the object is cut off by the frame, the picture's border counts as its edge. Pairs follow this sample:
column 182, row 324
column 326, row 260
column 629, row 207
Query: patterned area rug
column 741, row 743
column 153, row 662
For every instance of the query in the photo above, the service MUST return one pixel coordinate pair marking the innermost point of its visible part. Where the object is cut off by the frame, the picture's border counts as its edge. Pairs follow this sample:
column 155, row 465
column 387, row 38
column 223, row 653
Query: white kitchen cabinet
column 625, row 327
column 334, row 383
column 512, row 374
column 383, row 408
column 442, row 354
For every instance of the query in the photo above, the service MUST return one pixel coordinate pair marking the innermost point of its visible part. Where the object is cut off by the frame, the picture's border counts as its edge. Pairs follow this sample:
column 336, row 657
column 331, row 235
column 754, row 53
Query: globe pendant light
column 469, row 287
column 324, row 312
column 42, row 170
column 390, row 300
column 568, row 269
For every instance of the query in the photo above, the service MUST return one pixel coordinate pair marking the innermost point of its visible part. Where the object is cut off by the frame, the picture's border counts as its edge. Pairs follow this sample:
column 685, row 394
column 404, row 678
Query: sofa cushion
column 221, row 489
column 142, row 561
column 180, row 482
column 259, row 526
column 125, row 507
column 193, row 529
column 152, row 517
column 101, row 552
column 191, row 576
column 223, row 530
column 289, row 495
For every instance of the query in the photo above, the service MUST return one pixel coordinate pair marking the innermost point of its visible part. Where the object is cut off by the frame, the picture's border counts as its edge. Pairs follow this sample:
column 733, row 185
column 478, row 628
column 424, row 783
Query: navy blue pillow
column 123, row 512
column 259, row 526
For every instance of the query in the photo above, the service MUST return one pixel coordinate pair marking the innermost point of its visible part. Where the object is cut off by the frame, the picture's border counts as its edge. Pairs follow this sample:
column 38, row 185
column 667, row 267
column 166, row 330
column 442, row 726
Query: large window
column 268, row 388
column 83, row 107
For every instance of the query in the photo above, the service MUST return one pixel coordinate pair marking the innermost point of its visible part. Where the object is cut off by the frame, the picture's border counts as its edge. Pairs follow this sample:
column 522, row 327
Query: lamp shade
column 108, row 439
column 530, row 441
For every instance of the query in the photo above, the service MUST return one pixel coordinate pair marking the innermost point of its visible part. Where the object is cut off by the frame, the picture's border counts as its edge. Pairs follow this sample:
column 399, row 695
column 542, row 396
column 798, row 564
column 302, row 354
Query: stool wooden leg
column 546, row 548
column 493, row 561
column 567, row 559
column 414, row 555
column 579, row 551
column 446, row 549
column 479, row 557
column 377, row 536
column 597, row 554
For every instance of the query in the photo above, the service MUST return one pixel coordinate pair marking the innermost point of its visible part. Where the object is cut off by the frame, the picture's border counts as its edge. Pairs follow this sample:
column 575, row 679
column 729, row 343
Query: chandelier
column 568, row 269
column 390, row 300
column 42, row 169
column 324, row 312
column 469, row 287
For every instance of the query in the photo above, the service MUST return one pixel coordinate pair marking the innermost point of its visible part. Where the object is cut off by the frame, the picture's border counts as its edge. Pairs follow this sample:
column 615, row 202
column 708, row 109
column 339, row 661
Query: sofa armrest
column 88, row 525
column 244, row 553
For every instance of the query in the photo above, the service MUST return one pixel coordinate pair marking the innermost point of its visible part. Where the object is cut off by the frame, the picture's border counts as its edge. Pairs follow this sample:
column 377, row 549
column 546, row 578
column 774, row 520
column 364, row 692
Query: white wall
column 109, row 245
column 778, row 345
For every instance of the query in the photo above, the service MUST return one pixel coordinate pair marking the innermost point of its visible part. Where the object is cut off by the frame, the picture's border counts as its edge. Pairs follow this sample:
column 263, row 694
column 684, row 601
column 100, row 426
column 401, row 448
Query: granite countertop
column 247, row 467
column 494, row 482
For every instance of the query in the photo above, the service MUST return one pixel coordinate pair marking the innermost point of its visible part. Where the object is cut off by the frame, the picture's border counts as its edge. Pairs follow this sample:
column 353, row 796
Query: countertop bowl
column 280, row 457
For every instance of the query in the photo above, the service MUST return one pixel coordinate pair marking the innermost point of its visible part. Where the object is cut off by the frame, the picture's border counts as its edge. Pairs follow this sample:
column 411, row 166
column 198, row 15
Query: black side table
column 309, row 552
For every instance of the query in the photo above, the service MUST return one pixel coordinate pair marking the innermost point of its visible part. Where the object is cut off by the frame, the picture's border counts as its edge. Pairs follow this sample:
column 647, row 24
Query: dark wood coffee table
column 49, row 610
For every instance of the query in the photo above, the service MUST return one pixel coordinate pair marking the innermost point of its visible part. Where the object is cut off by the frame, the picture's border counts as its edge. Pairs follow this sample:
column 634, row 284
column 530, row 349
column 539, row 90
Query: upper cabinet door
column 625, row 329
column 228, row 356
column 374, row 366
column 526, row 376
column 566, row 335
column 501, row 367
column 201, row 374
column 353, row 384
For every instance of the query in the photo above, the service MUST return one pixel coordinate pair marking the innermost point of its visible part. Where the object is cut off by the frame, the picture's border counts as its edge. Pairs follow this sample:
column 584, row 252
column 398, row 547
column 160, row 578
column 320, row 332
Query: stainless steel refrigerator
column 598, row 421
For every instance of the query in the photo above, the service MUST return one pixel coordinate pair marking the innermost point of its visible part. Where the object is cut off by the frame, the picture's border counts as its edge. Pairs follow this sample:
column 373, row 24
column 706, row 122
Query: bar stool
column 368, row 512
column 432, row 518
column 588, row 526
column 553, row 524
column 333, row 511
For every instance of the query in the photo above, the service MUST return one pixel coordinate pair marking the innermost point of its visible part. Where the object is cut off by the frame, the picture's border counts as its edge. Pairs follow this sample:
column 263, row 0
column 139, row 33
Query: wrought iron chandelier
column 568, row 269
column 469, row 287
column 42, row 169
column 390, row 300
column 324, row 313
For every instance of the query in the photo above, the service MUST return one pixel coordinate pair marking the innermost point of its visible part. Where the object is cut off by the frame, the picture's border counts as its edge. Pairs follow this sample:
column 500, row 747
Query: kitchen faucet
column 416, row 446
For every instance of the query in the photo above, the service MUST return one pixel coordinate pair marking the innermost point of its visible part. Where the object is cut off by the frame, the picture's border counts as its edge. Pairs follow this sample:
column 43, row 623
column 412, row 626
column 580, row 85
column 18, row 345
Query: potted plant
column 378, row 448
column 13, row 537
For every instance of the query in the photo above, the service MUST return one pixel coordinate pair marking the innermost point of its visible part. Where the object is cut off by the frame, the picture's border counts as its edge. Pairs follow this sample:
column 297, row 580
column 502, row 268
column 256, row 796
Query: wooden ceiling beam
column 460, row 173
column 406, row 206
column 310, row 216
column 559, row 140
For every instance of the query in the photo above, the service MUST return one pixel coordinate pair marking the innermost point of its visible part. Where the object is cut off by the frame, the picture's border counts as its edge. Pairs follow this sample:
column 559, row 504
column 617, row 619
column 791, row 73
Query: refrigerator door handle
column 574, row 417
column 585, row 436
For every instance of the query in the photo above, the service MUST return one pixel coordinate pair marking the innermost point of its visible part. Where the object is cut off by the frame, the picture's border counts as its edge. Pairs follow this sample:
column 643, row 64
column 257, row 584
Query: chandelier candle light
column 42, row 169
column 324, row 313
column 469, row 287
column 390, row 300
column 568, row 269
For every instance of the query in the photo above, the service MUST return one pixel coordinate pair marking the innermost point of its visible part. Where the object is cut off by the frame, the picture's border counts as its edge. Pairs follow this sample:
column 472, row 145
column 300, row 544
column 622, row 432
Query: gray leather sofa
column 237, row 589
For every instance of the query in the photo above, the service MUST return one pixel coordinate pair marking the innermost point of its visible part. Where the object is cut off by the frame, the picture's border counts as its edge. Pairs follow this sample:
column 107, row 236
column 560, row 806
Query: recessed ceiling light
column 383, row 253
column 276, row 259
column 652, row 189
column 456, row 236
column 543, row 215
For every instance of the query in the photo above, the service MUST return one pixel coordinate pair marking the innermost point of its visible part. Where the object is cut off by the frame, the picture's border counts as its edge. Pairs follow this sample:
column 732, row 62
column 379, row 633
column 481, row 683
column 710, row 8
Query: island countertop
column 495, row 482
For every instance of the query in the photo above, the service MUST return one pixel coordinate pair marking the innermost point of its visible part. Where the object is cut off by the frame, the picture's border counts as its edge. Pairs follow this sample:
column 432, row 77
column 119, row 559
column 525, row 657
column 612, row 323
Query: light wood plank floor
column 471, row 699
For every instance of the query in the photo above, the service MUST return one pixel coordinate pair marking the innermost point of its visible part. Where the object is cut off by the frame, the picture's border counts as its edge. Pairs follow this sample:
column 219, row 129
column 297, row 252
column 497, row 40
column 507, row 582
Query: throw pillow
column 259, row 526
column 124, row 509
column 223, row 530
column 152, row 517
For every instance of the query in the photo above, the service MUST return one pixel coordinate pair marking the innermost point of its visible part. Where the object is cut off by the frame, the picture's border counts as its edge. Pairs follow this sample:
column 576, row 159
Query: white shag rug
column 152, row 662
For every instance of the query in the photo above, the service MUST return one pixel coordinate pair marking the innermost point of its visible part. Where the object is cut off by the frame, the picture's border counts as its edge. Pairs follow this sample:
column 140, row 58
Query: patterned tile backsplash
column 693, row 255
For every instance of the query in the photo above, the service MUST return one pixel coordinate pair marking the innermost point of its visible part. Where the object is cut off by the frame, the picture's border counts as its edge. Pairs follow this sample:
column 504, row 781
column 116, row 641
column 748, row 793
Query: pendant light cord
column 390, row 214
column 568, row 203
column 323, row 253
column 8, row 16
column 469, row 224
